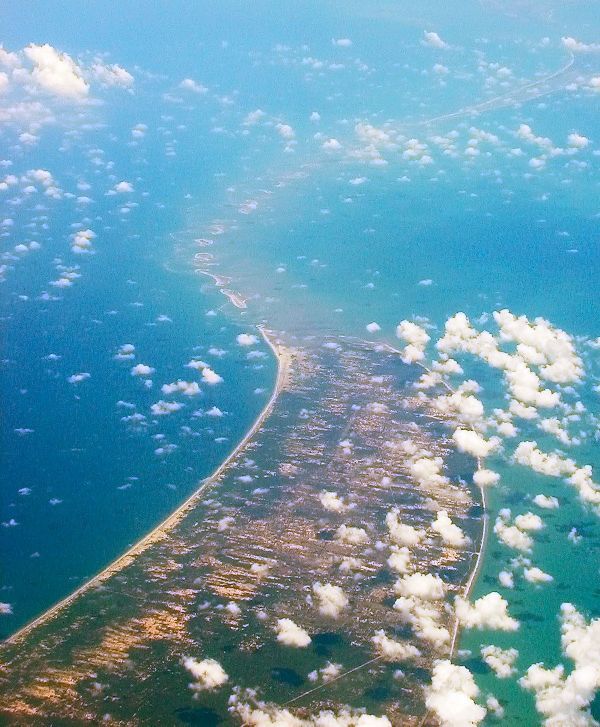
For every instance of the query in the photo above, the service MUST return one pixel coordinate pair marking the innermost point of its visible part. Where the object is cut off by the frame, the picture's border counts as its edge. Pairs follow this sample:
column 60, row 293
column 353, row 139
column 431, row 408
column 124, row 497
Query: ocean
column 338, row 166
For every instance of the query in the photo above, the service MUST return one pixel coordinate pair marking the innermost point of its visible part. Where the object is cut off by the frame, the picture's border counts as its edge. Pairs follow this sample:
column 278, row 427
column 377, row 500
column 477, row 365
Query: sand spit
column 220, row 281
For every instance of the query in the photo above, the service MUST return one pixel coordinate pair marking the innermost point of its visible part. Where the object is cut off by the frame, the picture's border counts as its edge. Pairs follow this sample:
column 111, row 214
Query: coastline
column 468, row 587
column 283, row 358
column 220, row 281
column 473, row 575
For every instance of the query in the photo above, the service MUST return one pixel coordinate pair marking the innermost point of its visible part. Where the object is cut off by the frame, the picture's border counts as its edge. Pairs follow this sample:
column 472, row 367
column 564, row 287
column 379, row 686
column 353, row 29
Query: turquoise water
column 334, row 243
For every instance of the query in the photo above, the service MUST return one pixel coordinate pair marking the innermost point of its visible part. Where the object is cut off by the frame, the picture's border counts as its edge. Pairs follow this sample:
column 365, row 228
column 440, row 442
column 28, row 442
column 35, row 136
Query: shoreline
column 283, row 358
column 468, row 587
column 220, row 281
column 474, row 573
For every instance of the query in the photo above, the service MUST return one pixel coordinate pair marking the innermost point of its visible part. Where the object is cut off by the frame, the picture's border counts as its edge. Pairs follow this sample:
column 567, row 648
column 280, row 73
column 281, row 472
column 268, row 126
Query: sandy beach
column 283, row 357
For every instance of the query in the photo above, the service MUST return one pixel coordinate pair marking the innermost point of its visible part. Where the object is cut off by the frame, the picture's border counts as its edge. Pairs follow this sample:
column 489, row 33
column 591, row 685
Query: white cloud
column 142, row 370
column 576, row 46
column 425, row 586
column 487, row 612
column 565, row 700
column 123, row 187
column 188, row 388
column 211, row 377
column 529, row 521
column 451, row 534
column 163, row 408
column 400, row 533
column 253, row 117
column 392, row 650
column 473, row 443
column 78, row 378
column 332, row 502
column 577, row 141
column 341, row 42
column 536, row 575
column 56, row 73
column 432, row 39
column 399, row 559
column 208, row 673
column 329, row 672
column 81, row 242
column 246, row 339
column 188, row 84
column 501, row 661
column 552, row 464
column 547, row 502
column 285, row 131
column 452, row 696
column 291, row 634
column 506, row 579
column 484, row 477
column 112, row 75
column 511, row 535
column 351, row 535
column 332, row 599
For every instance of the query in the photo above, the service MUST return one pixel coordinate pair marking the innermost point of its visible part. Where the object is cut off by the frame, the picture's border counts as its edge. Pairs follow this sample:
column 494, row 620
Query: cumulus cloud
column 332, row 502
column 188, row 84
column 400, row 533
column 501, row 661
column 452, row 696
column 163, row 408
column 327, row 673
column 416, row 338
column 450, row 533
column 485, row 477
column 255, row 713
column 392, row 650
column 81, row 242
column 427, row 470
column 285, row 131
column 473, row 443
column 546, row 501
column 512, row 535
column 56, row 73
column 529, row 521
column 208, row 674
column 433, row 40
column 78, row 378
column 552, row 464
column 246, row 339
column 487, row 612
column 424, row 586
column 562, row 699
column 188, row 388
column 536, row 575
column 112, row 75
column 142, row 370
column 291, row 634
column 211, row 377
column 351, row 535
column 577, row 46
column 399, row 559
column 332, row 599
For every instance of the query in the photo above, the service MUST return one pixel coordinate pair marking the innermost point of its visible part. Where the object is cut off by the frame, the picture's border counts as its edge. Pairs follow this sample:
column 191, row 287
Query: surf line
column 283, row 357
